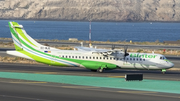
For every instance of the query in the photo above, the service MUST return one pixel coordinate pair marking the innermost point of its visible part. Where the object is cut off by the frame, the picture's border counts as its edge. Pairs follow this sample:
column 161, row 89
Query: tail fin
column 20, row 38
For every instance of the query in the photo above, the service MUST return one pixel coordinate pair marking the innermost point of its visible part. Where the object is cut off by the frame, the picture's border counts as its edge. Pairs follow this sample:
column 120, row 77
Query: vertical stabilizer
column 20, row 38
column 15, row 37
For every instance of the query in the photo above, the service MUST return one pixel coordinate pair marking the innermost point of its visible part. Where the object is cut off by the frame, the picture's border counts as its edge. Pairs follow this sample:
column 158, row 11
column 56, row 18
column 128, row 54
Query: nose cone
column 166, row 65
column 171, row 65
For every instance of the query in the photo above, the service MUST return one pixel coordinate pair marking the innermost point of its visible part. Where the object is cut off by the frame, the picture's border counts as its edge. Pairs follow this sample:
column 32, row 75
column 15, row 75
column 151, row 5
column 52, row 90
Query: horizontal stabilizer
column 18, row 54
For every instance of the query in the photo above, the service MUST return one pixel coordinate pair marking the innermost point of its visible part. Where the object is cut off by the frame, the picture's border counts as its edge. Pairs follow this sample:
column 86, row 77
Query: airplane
column 89, row 58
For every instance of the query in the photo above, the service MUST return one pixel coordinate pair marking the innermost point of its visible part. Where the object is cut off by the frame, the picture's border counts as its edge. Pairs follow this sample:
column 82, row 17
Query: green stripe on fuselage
column 71, row 60
column 41, row 59
column 46, row 61
column 89, row 64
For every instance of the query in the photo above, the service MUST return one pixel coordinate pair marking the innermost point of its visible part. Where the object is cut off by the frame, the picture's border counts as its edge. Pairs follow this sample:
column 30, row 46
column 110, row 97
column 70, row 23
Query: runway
column 29, row 90
column 45, row 69
column 12, row 89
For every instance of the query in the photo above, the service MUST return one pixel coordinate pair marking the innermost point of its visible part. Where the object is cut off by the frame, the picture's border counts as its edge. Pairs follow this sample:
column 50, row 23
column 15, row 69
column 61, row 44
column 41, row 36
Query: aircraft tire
column 100, row 70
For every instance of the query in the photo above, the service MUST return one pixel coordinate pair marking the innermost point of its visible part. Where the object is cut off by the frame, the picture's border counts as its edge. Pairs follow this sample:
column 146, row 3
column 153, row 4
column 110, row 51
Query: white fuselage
column 143, row 61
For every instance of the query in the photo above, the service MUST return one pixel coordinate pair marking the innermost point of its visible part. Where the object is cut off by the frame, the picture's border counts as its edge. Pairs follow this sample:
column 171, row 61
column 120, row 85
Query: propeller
column 125, row 52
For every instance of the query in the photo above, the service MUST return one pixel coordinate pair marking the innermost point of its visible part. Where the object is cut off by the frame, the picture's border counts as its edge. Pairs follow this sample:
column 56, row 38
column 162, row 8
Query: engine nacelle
column 105, row 53
column 109, row 52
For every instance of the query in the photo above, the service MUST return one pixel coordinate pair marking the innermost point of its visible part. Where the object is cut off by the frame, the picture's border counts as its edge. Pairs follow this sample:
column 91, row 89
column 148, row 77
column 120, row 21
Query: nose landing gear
column 163, row 71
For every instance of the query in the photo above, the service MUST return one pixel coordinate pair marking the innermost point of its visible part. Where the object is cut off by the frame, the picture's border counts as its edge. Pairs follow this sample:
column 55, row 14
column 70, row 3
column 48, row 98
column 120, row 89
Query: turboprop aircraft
column 89, row 58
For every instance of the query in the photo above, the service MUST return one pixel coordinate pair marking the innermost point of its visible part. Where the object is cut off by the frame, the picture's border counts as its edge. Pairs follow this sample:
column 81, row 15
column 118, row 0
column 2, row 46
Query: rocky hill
column 96, row 10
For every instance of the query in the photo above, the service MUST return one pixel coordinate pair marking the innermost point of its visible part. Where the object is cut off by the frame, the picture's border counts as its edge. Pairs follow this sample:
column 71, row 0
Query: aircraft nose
column 171, row 65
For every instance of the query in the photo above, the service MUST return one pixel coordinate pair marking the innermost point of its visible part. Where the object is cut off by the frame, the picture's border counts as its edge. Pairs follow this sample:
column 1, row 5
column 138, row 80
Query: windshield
column 162, row 57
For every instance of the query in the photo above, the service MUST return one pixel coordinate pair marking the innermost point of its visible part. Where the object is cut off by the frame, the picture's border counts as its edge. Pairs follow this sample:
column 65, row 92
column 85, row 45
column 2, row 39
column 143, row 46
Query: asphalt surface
column 45, row 69
column 23, row 90
column 14, row 90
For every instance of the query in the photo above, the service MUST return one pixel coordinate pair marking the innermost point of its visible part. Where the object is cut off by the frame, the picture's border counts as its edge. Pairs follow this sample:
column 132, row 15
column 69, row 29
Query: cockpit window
column 162, row 58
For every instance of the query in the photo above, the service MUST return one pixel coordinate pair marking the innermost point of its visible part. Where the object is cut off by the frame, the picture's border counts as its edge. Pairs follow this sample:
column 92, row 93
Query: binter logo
column 142, row 55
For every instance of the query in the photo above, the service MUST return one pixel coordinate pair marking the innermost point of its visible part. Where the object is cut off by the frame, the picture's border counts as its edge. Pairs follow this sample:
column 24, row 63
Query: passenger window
column 137, row 59
column 127, row 58
column 99, row 57
column 86, row 57
column 130, row 58
column 114, row 58
column 103, row 57
column 72, row 56
column 143, row 59
column 117, row 58
column 140, row 59
column 76, row 57
column 83, row 57
column 110, row 58
column 89, row 57
column 69, row 56
column 161, row 58
column 133, row 59
column 107, row 58
column 62, row 56
column 93, row 57
column 96, row 57
column 79, row 56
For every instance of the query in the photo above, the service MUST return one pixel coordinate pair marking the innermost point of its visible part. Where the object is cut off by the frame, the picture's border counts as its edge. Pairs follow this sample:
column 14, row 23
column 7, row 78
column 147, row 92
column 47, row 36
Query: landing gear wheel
column 100, row 70
column 163, row 71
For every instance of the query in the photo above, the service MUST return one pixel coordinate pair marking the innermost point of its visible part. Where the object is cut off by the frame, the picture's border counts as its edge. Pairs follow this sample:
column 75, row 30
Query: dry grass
column 5, row 38
column 7, row 59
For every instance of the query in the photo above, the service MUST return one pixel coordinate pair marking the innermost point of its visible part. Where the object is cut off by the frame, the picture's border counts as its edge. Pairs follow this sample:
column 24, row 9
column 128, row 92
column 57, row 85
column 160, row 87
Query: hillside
column 96, row 10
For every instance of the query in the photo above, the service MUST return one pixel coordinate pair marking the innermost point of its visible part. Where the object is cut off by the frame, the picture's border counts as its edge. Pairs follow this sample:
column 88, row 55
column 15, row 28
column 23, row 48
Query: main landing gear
column 163, row 71
column 100, row 70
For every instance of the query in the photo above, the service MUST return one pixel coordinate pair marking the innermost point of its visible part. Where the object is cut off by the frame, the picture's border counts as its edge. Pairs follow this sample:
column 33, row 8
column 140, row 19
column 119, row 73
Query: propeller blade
column 125, row 52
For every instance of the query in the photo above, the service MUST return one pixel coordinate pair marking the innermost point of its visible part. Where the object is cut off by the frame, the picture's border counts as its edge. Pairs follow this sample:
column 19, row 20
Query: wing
column 104, row 52
column 92, row 49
